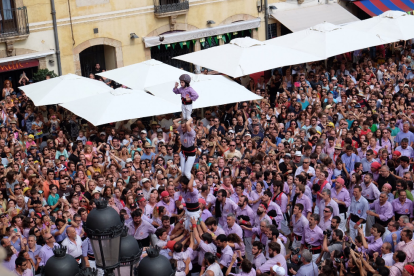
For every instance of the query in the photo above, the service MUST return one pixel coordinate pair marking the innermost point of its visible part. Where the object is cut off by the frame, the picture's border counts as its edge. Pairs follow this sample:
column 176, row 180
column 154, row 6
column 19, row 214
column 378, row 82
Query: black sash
column 184, row 101
column 355, row 218
column 383, row 223
column 192, row 207
column 190, row 151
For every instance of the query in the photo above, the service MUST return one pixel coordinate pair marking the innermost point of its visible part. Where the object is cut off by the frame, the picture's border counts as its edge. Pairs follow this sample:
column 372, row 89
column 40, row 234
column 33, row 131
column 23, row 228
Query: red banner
column 17, row 65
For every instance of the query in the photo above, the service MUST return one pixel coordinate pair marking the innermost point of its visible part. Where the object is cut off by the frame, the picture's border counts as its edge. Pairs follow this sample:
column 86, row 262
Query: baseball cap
column 298, row 153
column 328, row 106
column 201, row 200
column 25, row 190
column 129, row 160
column 145, row 180
column 144, row 131
column 330, row 124
column 102, row 133
column 334, row 78
column 153, row 123
column 165, row 194
column 170, row 245
column 278, row 270
column 340, row 180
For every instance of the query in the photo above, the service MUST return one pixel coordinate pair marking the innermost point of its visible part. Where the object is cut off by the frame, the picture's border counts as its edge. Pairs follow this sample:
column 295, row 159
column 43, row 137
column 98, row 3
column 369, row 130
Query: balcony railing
column 170, row 7
column 14, row 22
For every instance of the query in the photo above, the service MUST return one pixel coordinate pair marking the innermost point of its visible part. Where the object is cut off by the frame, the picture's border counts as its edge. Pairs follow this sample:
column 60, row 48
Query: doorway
column 105, row 55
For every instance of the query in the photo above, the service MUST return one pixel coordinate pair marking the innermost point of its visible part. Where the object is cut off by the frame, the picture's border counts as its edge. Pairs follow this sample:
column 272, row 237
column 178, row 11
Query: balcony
column 165, row 8
column 14, row 24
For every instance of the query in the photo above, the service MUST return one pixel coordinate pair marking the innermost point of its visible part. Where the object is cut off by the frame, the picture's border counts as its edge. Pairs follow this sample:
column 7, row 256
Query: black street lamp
column 61, row 264
column 129, row 255
column 104, row 228
column 155, row 264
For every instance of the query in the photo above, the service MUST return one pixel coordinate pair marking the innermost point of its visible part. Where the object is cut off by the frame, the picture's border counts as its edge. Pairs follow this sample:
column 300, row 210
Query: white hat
column 102, row 133
column 231, row 131
column 129, row 160
column 145, row 180
column 280, row 271
column 298, row 153
column 144, row 131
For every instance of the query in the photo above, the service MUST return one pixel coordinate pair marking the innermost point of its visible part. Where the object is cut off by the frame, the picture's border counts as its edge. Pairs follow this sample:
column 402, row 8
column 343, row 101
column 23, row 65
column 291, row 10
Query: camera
column 327, row 232
column 294, row 251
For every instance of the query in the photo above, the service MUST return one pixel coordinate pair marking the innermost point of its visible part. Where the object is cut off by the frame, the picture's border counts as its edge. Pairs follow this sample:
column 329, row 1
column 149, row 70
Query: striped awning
column 377, row 7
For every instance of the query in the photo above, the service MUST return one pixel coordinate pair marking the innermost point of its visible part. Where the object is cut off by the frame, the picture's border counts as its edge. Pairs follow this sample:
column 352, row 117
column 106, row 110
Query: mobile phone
column 15, row 230
column 297, row 84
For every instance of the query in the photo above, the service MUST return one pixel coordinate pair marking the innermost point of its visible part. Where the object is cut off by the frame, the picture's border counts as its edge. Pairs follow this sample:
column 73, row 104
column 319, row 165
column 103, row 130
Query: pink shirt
column 408, row 249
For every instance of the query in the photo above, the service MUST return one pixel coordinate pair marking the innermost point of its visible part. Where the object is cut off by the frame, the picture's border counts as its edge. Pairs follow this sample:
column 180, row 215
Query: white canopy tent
column 213, row 91
column 243, row 56
column 326, row 40
column 396, row 25
column 120, row 104
column 147, row 73
column 63, row 89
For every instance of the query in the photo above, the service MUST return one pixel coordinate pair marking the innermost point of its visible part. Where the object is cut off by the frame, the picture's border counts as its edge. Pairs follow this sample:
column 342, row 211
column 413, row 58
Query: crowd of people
column 314, row 179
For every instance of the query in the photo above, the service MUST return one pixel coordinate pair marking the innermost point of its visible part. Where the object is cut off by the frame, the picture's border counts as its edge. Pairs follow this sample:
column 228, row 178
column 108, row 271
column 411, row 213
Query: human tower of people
column 314, row 179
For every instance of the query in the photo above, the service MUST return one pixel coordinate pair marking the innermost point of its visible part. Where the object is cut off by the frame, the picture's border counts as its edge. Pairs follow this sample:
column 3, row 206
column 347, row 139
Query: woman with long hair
column 7, row 88
column 158, row 213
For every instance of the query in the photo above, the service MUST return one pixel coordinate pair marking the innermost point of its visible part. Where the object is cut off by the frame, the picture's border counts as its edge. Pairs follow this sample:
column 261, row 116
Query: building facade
column 20, row 49
column 116, row 33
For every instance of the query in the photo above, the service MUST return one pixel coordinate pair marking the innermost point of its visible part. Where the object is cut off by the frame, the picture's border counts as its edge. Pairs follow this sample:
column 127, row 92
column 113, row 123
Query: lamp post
column 155, row 264
column 104, row 228
column 61, row 264
column 129, row 255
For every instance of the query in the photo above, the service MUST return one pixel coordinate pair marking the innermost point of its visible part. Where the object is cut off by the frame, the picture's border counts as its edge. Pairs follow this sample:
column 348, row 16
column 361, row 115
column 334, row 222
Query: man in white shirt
column 73, row 243
column 387, row 254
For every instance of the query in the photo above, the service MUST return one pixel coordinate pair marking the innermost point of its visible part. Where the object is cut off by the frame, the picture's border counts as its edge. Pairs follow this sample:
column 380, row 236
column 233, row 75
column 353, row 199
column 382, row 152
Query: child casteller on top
column 188, row 95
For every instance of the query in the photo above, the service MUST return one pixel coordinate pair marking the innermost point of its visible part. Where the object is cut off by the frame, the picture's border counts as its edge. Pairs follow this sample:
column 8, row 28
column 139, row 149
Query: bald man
column 73, row 243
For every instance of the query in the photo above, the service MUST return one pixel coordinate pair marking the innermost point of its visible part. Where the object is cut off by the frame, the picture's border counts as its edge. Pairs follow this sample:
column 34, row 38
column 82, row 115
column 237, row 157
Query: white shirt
column 388, row 259
column 75, row 250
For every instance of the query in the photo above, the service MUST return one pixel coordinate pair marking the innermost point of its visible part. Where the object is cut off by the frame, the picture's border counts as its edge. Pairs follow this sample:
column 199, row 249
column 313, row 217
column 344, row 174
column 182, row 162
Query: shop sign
column 18, row 64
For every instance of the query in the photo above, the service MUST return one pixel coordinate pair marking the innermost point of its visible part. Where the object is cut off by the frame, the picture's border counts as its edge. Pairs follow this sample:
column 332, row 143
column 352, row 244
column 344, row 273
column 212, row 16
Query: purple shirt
column 235, row 229
column 299, row 225
column 259, row 260
column 403, row 209
column 205, row 215
column 247, row 211
column 274, row 206
column 385, row 211
column 184, row 91
column 169, row 206
column 313, row 236
column 189, row 197
column 11, row 265
column 325, row 224
column 281, row 200
column 204, row 248
column 143, row 230
column 254, row 196
column 342, row 195
column 226, row 255
column 251, row 273
column 229, row 207
column 45, row 253
column 374, row 245
column 331, row 203
column 370, row 192
column 187, row 138
column 273, row 261
column 307, row 204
